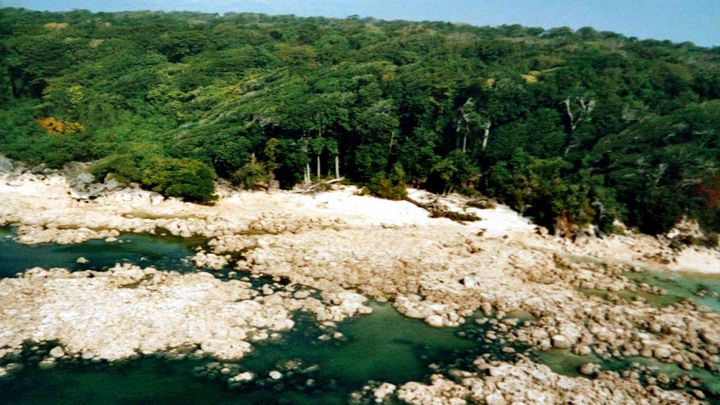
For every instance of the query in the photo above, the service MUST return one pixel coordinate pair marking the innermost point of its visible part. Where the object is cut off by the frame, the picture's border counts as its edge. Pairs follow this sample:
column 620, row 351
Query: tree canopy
column 572, row 126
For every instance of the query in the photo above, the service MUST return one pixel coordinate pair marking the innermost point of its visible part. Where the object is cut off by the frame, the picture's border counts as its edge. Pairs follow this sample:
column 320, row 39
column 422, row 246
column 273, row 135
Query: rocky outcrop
column 210, row 260
column 129, row 310
column 432, row 269
column 6, row 165
column 498, row 383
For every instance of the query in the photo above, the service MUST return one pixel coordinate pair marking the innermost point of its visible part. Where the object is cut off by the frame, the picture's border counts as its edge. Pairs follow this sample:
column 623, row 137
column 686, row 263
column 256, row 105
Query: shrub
column 187, row 178
column 123, row 167
column 391, row 187
column 252, row 174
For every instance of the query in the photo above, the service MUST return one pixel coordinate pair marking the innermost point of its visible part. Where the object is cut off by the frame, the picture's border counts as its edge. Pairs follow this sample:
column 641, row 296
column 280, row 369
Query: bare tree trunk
column 464, row 147
column 573, row 124
column 318, row 165
column 392, row 141
column 337, row 166
column 307, row 173
column 586, row 108
column 486, row 135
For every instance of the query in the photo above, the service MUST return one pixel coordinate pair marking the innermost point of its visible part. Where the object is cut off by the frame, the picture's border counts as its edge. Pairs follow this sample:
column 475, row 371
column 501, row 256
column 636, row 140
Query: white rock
column 435, row 321
column 243, row 377
column 57, row 352
column 560, row 342
column 495, row 398
column 383, row 391
column 47, row 362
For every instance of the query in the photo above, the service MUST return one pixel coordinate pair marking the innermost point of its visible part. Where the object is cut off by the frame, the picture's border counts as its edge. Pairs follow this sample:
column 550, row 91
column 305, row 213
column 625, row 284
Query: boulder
column 383, row 392
column 82, row 178
column 47, row 362
column 57, row 352
column 435, row 321
column 243, row 377
column 6, row 165
column 560, row 342
column 589, row 369
column 495, row 398
column 662, row 352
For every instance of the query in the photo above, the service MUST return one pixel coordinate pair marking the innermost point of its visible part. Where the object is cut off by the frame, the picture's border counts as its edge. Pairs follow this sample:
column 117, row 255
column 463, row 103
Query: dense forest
column 568, row 127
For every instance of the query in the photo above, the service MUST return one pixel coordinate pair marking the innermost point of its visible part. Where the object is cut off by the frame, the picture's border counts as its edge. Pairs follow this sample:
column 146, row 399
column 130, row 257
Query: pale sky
column 689, row 20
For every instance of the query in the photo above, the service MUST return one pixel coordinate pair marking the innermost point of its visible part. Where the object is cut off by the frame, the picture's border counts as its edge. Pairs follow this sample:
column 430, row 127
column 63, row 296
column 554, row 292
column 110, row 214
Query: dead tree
column 585, row 107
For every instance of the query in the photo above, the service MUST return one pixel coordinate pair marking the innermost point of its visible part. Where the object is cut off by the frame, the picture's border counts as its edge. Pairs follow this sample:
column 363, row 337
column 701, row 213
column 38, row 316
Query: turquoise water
column 383, row 346
column 564, row 362
column 702, row 288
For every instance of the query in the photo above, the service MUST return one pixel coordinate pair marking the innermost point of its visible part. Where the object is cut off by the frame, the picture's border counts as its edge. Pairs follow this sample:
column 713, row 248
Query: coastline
column 350, row 248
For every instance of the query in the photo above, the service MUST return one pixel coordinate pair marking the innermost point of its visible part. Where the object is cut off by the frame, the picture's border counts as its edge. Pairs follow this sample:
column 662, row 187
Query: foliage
column 540, row 188
column 391, row 187
column 566, row 126
column 185, row 178
column 252, row 175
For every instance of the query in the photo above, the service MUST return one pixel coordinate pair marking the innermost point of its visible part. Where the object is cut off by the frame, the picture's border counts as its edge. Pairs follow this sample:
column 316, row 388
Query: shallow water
column 684, row 285
column 629, row 296
column 567, row 363
column 701, row 288
column 165, row 253
column 383, row 346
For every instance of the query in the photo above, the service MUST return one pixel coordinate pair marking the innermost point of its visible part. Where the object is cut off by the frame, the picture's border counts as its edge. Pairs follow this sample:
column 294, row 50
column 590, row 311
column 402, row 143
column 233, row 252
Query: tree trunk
column 464, row 148
column 337, row 166
column 318, row 166
column 486, row 135
column 307, row 173
column 586, row 109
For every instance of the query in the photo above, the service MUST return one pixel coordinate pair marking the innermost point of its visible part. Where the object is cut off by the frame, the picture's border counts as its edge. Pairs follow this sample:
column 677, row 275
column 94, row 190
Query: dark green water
column 144, row 250
column 383, row 346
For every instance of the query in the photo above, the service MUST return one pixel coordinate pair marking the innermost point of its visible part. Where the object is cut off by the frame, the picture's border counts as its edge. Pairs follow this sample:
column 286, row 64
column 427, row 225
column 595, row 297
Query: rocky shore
column 349, row 248
column 128, row 311
column 498, row 383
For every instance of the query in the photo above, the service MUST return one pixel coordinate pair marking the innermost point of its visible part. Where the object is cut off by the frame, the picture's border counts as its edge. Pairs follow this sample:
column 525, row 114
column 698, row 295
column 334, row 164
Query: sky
column 697, row 21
